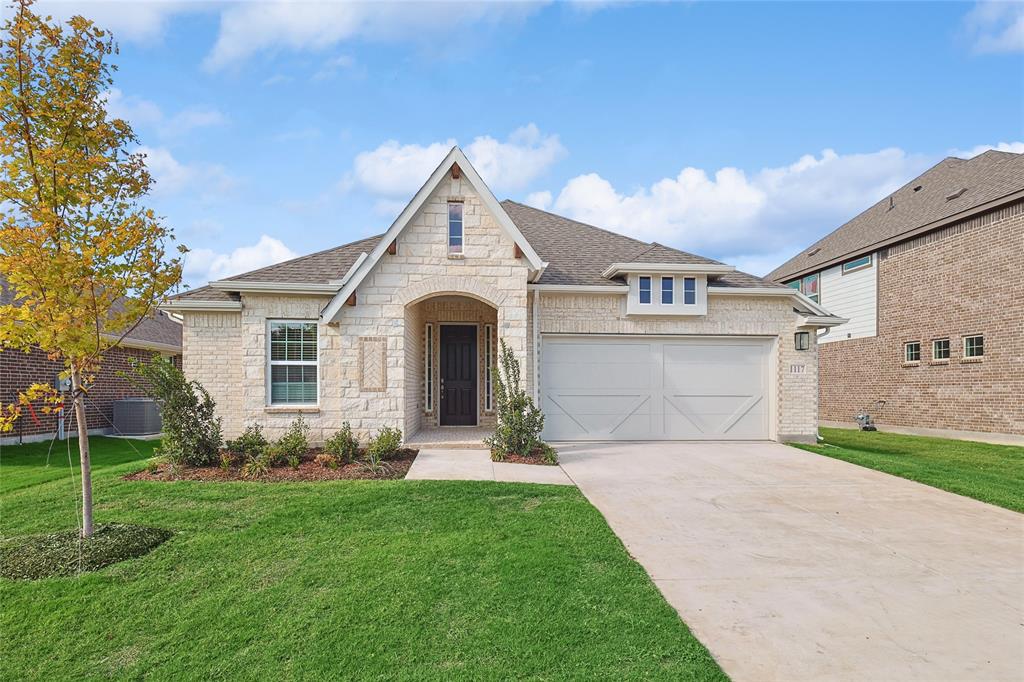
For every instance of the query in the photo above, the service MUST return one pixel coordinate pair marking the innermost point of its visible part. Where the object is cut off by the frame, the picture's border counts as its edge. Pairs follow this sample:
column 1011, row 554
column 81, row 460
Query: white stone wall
column 796, row 395
column 211, row 345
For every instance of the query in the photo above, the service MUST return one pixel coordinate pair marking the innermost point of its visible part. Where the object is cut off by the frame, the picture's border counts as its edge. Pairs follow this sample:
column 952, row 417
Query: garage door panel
column 654, row 388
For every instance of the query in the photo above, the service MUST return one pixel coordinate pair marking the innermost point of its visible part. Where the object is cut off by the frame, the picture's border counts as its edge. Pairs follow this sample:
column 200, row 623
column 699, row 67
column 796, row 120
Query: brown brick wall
column 20, row 370
column 959, row 281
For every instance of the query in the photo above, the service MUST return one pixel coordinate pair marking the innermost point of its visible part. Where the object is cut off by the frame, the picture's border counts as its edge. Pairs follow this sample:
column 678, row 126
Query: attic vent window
column 956, row 195
column 813, row 251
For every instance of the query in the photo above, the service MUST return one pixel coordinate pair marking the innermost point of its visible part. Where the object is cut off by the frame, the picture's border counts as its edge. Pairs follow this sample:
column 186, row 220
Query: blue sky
column 739, row 131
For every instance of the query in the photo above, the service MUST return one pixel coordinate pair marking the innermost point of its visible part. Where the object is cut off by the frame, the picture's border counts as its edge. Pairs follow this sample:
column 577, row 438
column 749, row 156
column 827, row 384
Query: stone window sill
column 981, row 359
column 286, row 409
column 916, row 363
column 456, row 256
column 939, row 362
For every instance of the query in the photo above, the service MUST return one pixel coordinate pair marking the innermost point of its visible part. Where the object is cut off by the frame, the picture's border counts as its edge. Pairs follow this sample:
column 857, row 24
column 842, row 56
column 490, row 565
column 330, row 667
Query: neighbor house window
column 912, row 351
column 645, row 289
column 428, row 369
column 940, row 349
column 689, row 290
column 488, row 367
column 974, row 346
column 810, row 287
column 455, row 227
column 668, row 285
column 857, row 264
column 293, row 363
column 795, row 284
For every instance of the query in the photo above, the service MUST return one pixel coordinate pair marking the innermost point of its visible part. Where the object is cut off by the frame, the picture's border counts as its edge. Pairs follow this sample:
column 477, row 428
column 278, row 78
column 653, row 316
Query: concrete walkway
column 476, row 465
column 792, row 566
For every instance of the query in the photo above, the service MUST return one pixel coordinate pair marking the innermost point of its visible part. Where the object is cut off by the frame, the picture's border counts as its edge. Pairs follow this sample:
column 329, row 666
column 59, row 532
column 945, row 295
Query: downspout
column 536, row 347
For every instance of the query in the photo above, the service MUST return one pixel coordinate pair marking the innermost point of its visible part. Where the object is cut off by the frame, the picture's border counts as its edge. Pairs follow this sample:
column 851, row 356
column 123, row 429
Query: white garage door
column 655, row 388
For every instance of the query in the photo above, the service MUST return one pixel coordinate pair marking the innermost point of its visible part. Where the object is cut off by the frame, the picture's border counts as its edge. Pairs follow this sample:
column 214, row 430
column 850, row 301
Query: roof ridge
column 578, row 222
column 303, row 257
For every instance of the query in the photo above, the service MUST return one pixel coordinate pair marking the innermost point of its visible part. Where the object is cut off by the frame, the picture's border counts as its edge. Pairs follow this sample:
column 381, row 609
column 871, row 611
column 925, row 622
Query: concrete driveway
column 792, row 566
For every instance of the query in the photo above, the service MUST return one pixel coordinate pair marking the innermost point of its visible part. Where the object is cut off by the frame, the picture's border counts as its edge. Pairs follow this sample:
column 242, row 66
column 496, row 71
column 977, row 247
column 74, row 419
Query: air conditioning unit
column 137, row 417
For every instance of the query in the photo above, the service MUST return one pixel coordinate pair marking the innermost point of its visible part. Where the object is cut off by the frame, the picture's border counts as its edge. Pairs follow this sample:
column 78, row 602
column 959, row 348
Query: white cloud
column 1015, row 147
column 397, row 170
column 730, row 214
column 205, row 265
column 249, row 28
column 171, row 176
column 141, row 112
column 541, row 200
column 130, row 20
column 995, row 27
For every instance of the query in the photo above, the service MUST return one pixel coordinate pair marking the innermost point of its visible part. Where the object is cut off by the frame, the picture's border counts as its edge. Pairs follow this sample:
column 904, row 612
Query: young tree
column 86, row 261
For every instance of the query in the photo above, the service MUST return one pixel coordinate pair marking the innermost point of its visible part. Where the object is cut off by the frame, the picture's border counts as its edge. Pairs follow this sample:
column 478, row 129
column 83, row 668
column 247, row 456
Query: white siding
column 854, row 296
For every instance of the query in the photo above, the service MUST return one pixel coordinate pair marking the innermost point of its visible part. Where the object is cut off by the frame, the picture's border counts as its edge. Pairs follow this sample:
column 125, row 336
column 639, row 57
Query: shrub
column 520, row 422
column 227, row 459
column 343, row 444
column 192, row 431
column 548, row 454
column 256, row 467
column 294, row 443
column 293, row 461
column 384, row 445
column 66, row 553
column 327, row 460
column 251, row 443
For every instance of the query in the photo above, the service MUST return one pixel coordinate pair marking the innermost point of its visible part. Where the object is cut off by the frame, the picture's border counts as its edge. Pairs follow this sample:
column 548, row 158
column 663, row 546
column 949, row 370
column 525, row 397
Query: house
column 617, row 338
column 159, row 334
column 930, row 280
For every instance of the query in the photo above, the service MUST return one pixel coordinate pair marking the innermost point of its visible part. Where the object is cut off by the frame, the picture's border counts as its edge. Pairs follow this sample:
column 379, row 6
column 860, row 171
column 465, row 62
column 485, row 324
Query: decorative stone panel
column 373, row 369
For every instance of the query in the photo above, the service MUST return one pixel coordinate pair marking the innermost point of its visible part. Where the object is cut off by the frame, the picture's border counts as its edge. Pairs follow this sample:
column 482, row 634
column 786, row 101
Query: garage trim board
column 619, row 387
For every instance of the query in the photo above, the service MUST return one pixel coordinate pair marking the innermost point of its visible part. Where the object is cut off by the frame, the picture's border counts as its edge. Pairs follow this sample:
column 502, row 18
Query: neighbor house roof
column 156, row 330
column 951, row 189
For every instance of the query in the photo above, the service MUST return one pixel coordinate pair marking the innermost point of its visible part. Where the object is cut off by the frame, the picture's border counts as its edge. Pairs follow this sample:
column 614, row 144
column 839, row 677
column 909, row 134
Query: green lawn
column 346, row 579
column 990, row 473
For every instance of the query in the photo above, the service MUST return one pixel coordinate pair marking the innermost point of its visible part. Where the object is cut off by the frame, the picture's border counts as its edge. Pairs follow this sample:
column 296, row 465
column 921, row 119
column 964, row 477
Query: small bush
column 192, row 431
column 252, row 442
column 294, row 443
column 520, row 421
column 384, row 445
column 327, row 461
column 256, row 467
column 39, row 556
column 227, row 459
column 343, row 444
column 293, row 461
column 548, row 453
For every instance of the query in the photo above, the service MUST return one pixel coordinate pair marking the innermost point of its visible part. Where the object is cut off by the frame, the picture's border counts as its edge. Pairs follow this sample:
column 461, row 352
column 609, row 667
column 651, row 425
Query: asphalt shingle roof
column 951, row 187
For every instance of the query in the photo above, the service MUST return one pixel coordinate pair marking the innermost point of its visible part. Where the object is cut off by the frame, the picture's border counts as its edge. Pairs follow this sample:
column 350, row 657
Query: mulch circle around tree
column 394, row 467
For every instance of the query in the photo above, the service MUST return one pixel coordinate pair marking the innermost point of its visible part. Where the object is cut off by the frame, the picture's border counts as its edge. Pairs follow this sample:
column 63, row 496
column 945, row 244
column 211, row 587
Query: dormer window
column 455, row 227
column 667, row 290
column 645, row 290
column 690, row 290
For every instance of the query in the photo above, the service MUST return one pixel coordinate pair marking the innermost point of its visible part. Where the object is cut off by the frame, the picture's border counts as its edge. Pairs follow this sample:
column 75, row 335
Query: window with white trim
column 809, row 287
column 940, row 349
column 644, row 289
column 292, row 361
column 428, row 368
column 689, row 290
column 668, row 286
column 488, row 367
column 974, row 346
column 912, row 351
column 455, row 227
column 857, row 264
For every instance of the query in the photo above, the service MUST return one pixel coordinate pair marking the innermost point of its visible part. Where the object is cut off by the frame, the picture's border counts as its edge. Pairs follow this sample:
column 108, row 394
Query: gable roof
column 156, row 330
column 952, row 188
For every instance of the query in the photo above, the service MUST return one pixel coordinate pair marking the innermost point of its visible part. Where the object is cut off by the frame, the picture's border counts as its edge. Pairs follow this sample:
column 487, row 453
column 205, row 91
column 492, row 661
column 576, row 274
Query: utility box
column 137, row 417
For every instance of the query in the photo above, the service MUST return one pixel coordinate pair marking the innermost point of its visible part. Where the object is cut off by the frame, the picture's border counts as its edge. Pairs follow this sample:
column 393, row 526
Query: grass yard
column 990, row 473
column 341, row 579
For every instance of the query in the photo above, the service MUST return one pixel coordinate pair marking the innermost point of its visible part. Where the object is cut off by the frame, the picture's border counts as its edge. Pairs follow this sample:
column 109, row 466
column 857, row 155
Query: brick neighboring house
column 159, row 334
column 930, row 279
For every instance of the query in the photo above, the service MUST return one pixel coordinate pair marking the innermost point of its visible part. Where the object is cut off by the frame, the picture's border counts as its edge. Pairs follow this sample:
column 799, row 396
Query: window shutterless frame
column 912, row 351
column 668, row 286
column 488, row 367
column 940, row 349
column 428, row 367
column 293, row 370
column 857, row 264
column 974, row 346
column 690, row 290
column 455, row 231
column 644, row 289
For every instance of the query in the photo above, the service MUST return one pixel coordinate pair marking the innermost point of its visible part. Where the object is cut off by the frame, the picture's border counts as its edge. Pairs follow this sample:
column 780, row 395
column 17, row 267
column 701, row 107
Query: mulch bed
column 394, row 468
column 533, row 458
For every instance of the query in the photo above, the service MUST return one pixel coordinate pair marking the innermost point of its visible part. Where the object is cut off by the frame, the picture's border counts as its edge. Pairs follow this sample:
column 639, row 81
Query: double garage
column 656, row 388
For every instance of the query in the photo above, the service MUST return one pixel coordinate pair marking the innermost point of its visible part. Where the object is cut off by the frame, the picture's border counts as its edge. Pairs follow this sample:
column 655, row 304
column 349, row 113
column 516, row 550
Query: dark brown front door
column 458, row 375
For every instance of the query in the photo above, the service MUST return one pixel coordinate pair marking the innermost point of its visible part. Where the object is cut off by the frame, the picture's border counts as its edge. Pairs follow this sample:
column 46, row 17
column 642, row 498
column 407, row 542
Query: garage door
column 655, row 388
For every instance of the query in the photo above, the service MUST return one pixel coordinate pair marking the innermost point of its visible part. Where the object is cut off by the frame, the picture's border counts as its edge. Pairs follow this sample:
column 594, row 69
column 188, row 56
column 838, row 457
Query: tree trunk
column 83, row 450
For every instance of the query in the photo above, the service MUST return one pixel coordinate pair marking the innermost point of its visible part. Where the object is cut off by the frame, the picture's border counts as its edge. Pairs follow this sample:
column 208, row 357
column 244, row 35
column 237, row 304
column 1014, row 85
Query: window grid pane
column 293, row 362
column 645, row 289
column 455, row 227
column 667, row 290
column 940, row 349
column 974, row 346
column 689, row 290
column 912, row 351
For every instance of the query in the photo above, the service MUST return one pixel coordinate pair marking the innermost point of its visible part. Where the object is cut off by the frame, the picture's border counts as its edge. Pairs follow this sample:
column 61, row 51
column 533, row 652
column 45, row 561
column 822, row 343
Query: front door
column 458, row 375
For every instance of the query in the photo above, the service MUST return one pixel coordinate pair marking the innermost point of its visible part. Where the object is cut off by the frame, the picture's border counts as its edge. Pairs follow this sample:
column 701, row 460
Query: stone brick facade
column 795, row 398
column 962, row 280
column 20, row 370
